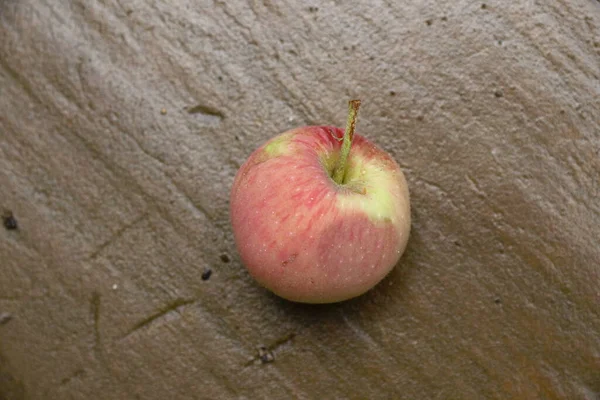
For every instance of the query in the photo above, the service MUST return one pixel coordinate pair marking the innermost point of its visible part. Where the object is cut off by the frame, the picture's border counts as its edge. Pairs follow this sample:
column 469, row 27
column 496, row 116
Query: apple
column 319, row 214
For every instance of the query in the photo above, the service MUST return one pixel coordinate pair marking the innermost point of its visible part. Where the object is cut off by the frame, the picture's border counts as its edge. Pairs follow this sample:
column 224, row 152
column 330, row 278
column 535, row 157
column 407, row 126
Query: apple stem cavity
column 340, row 167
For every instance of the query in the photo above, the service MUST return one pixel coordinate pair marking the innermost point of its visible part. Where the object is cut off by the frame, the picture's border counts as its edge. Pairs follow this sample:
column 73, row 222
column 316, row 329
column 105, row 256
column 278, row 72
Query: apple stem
column 340, row 167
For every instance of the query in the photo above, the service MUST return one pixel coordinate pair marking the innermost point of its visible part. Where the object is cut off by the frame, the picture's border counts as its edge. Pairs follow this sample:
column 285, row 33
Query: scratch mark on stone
column 246, row 31
column 162, row 313
column 116, row 236
column 438, row 191
column 360, row 332
column 433, row 187
column 146, row 152
column 475, row 186
column 195, row 206
column 21, row 80
column 95, row 311
column 282, row 342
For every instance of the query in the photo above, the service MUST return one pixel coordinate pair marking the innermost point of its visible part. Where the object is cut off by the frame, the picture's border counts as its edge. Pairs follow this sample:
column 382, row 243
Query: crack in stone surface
column 174, row 307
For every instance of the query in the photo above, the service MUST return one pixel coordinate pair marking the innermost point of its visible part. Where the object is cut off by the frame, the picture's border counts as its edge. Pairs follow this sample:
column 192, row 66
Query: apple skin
column 307, row 238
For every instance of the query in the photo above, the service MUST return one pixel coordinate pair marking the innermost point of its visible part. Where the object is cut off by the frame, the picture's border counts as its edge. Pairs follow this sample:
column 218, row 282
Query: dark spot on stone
column 5, row 318
column 483, row 6
column 225, row 258
column 313, row 9
column 345, row 48
column 562, row 111
column 392, row 93
column 429, row 22
column 206, row 274
column 498, row 93
column 497, row 301
column 237, row 138
column 371, row 58
column 76, row 375
column 500, row 42
column 457, row 243
column 444, row 18
column 220, row 78
column 420, row 118
column 9, row 221
column 129, row 12
column 265, row 355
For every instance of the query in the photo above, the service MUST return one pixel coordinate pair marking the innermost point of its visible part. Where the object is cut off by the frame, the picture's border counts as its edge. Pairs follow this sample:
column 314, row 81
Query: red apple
column 318, row 221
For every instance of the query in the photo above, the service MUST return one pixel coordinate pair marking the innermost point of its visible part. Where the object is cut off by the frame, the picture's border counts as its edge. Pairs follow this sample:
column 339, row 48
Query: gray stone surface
column 123, row 122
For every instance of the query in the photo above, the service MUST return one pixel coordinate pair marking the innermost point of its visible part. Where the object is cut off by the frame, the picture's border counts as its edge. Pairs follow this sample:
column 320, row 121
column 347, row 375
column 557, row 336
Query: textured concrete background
column 123, row 122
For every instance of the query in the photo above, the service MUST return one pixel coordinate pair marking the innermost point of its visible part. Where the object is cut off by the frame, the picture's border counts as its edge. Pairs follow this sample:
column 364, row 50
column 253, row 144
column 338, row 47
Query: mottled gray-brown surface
column 123, row 122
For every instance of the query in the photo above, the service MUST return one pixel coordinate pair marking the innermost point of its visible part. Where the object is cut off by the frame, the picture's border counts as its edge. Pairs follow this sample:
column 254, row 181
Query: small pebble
column 206, row 274
column 4, row 318
column 265, row 355
column 9, row 221
column 163, row 111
